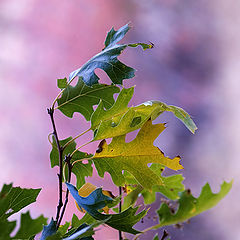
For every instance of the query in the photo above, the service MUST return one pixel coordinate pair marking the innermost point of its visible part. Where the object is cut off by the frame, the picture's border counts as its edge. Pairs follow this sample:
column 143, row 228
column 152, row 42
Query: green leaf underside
column 121, row 119
column 29, row 226
column 107, row 60
column 123, row 221
column 81, row 98
column 13, row 199
column 134, row 157
column 81, row 170
column 190, row 206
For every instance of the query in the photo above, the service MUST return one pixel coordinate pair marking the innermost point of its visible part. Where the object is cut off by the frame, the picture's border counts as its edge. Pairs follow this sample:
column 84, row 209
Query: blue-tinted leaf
column 95, row 201
column 123, row 221
column 49, row 230
column 107, row 60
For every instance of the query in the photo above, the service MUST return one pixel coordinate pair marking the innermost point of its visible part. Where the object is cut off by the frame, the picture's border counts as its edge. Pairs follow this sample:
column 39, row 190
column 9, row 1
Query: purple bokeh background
column 195, row 65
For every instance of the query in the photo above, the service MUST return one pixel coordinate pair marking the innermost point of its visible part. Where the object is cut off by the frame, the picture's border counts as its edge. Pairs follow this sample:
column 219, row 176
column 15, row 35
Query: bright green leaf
column 13, row 199
column 134, row 157
column 190, row 206
column 29, row 226
column 82, row 98
column 121, row 119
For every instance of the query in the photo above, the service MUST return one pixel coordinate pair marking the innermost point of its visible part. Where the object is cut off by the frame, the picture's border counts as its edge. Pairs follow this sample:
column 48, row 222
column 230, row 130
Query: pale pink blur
column 194, row 64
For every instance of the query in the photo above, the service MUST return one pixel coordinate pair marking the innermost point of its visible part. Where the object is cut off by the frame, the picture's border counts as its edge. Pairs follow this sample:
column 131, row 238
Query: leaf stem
column 80, row 147
column 76, row 138
column 120, row 210
column 68, row 162
column 60, row 153
column 146, row 230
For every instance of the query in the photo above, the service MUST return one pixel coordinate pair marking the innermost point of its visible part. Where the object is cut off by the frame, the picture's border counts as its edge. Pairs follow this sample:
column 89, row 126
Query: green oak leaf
column 121, row 119
column 81, row 170
column 62, row 83
column 107, row 60
column 6, row 228
column 134, row 157
column 190, row 206
column 123, row 221
column 29, row 226
column 64, row 228
column 13, row 199
column 132, row 197
column 75, row 223
column 84, row 232
column 171, row 188
column 82, row 98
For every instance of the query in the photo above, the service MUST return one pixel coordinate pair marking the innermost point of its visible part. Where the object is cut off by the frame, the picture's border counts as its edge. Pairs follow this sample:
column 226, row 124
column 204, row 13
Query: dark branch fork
column 60, row 174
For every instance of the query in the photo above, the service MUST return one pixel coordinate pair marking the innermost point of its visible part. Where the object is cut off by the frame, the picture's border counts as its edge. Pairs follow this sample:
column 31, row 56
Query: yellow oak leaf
column 134, row 157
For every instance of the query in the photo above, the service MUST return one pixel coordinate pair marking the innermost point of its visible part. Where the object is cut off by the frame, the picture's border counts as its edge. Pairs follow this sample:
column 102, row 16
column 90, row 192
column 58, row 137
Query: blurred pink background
column 195, row 64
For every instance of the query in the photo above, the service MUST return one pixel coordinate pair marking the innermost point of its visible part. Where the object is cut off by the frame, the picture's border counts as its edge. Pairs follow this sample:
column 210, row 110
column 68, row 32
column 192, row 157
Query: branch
column 165, row 234
column 68, row 161
column 60, row 152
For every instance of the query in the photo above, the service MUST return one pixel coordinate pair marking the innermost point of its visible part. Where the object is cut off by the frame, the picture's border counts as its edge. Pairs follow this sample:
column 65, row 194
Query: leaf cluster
column 136, row 167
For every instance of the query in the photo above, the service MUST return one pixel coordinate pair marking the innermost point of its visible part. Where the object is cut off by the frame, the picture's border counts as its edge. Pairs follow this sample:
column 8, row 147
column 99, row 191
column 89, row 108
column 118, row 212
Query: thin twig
column 60, row 153
column 120, row 210
column 60, row 93
column 165, row 234
column 68, row 161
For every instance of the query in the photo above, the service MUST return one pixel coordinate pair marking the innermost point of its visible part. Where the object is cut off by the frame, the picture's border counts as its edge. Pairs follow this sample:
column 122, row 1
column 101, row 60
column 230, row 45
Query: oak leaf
column 134, row 157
